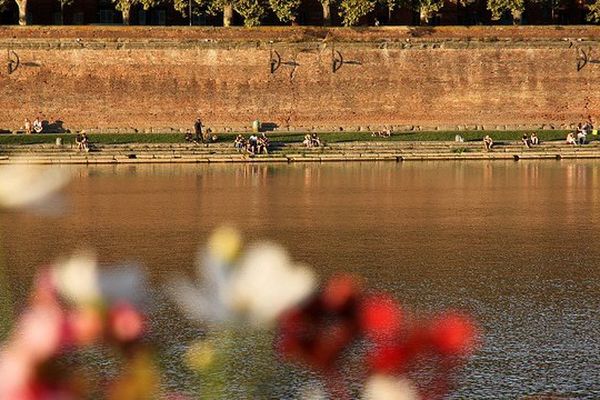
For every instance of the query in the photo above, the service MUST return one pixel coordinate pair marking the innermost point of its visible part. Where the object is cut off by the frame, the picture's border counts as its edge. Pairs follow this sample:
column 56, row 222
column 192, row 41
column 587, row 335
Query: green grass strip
column 328, row 137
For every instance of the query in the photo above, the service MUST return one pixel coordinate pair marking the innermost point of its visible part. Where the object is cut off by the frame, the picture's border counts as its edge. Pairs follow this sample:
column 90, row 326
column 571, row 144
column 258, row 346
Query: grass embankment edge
column 296, row 137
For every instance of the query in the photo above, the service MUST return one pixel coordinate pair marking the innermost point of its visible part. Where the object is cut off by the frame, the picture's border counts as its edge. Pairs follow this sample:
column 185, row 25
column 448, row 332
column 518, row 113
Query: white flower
column 383, row 387
column 25, row 185
column 267, row 283
column 77, row 279
column 257, row 290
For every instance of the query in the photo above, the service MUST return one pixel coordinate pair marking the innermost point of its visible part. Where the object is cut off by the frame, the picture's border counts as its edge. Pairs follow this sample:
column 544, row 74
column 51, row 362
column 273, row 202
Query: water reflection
column 513, row 242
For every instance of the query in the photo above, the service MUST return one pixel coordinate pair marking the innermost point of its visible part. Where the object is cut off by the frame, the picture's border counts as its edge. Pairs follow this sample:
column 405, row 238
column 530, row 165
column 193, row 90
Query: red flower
column 318, row 332
column 380, row 317
column 452, row 334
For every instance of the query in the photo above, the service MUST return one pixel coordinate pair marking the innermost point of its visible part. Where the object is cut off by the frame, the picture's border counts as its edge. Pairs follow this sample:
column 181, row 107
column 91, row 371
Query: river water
column 515, row 243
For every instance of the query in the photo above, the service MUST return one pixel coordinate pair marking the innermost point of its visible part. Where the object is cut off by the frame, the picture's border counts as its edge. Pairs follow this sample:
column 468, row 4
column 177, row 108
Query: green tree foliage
column 499, row 7
column 593, row 11
column 427, row 9
column 352, row 11
column 222, row 6
column 285, row 10
column 124, row 6
column 253, row 11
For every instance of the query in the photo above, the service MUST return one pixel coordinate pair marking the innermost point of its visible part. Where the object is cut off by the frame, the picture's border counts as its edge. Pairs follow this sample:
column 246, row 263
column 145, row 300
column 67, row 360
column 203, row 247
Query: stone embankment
column 135, row 79
column 289, row 153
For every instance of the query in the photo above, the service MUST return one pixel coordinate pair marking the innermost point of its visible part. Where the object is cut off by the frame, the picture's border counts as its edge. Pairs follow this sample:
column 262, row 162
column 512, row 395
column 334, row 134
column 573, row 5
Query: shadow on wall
column 268, row 126
column 4, row 131
column 420, row 31
column 54, row 127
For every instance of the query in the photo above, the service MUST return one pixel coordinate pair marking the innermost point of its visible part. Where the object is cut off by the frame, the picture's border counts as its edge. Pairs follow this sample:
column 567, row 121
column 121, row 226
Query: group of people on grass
column 312, row 140
column 254, row 145
column 579, row 136
column 576, row 137
column 36, row 126
column 201, row 134
column 82, row 141
column 531, row 140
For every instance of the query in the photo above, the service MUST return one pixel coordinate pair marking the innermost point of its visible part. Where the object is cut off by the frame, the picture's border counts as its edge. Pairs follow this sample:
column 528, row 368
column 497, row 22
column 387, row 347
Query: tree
column 499, row 7
column 391, row 5
column 593, row 11
column 285, row 10
column 64, row 3
column 427, row 8
column 22, row 4
column 326, row 5
column 352, row 11
column 125, row 6
column 224, row 6
column 253, row 11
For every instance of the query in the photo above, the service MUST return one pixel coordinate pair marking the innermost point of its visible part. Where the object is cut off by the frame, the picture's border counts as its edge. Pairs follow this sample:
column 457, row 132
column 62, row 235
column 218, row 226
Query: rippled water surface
column 517, row 244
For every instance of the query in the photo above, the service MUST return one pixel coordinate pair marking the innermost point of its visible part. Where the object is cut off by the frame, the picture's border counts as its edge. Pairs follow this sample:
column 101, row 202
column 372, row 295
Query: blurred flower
column 256, row 289
column 126, row 324
column 453, row 334
column 380, row 317
column 268, row 283
column 25, row 185
column 77, row 279
column 318, row 331
column 85, row 325
column 225, row 244
column 200, row 355
column 383, row 387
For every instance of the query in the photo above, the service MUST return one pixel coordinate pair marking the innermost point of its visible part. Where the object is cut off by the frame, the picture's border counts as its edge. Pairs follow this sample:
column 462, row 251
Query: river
column 516, row 244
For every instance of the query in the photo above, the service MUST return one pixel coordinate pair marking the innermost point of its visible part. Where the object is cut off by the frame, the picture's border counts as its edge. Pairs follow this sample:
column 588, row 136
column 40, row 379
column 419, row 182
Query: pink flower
column 126, row 323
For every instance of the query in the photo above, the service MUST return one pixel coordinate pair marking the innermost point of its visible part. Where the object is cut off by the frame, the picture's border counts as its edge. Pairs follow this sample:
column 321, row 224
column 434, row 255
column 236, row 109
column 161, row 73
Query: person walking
column 198, row 130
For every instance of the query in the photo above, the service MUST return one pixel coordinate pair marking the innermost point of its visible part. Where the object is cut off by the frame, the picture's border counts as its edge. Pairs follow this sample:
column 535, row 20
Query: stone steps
column 365, row 151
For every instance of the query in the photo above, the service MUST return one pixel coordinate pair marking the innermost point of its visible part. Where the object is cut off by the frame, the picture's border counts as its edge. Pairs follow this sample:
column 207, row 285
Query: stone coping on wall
column 302, row 34
column 303, row 129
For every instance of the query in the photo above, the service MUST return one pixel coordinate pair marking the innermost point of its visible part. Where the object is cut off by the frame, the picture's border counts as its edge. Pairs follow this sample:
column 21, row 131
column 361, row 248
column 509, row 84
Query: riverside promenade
column 397, row 151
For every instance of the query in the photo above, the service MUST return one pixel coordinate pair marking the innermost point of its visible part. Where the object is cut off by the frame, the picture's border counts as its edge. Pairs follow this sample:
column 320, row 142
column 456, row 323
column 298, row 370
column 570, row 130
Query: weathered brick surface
column 121, row 80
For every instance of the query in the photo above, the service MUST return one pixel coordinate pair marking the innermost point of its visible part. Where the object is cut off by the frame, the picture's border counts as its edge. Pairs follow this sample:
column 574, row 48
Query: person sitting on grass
column 571, row 138
column 263, row 145
column 190, row 138
column 252, row 144
column 27, row 127
column 239, row 142
column 488, row 143
column 315, row 141
column 85, row 142
column 79, row 141
column 307, row 140
column 533, row 139
column 526, row 141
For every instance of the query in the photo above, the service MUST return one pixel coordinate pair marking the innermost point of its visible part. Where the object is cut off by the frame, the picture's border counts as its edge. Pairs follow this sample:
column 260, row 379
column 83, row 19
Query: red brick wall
column 429, row 78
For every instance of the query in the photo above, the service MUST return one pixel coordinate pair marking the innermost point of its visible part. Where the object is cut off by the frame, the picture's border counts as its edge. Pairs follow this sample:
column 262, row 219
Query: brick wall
column 129, row 79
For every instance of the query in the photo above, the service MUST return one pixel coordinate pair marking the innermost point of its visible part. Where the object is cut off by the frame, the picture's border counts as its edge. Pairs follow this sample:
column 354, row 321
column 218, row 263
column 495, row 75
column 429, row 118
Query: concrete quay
column 394, row 151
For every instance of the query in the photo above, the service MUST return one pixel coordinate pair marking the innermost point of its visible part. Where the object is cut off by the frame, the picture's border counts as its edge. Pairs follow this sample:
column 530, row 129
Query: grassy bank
column 328, row 137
